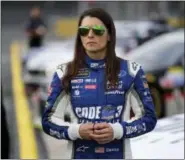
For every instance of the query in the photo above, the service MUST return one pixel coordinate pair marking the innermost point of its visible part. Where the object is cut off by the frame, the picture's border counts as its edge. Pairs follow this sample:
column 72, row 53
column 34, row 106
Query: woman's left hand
column 103, row 133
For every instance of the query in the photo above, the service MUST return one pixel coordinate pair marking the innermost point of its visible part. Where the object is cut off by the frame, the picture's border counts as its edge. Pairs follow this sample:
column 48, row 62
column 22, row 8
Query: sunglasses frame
column 98, row 30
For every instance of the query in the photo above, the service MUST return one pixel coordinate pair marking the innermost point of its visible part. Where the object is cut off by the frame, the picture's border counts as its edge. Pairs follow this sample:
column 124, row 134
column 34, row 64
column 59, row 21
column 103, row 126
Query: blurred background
column 36, row 36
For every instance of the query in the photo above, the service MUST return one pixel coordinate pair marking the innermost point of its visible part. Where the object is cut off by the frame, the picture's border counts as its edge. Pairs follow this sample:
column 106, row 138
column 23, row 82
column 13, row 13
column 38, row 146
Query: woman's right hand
column 85, row 130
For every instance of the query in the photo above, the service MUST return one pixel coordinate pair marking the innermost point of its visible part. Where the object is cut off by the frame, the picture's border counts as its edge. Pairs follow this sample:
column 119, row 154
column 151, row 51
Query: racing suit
column 89, row 101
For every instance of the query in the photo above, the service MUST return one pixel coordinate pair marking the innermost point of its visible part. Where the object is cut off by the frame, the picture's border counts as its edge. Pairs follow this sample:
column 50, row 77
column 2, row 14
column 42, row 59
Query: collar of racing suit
column 95, row 64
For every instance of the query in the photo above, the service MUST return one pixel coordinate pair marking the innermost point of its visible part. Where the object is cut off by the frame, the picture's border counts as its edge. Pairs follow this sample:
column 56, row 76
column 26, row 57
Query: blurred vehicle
column 143, row 30
column 166, row 141
column 125, row 37
column 163, row 61
column 42, row 62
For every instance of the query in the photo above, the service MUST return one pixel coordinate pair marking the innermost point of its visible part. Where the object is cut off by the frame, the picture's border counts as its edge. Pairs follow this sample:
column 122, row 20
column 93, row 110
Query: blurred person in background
column 35, row 29
column 5, row 139
column 92, row 91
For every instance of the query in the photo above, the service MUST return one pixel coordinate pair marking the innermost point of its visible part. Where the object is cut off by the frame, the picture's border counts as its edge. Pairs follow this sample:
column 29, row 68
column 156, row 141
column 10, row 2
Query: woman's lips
column 91, row 42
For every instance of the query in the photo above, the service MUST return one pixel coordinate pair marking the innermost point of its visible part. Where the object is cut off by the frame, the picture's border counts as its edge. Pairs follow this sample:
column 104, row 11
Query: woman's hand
column 103, row 133
column 85, row 130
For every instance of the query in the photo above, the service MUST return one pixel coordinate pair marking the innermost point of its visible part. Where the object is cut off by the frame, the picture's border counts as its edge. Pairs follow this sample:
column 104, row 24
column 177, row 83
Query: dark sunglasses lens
column 98, row 32
column 83, row 31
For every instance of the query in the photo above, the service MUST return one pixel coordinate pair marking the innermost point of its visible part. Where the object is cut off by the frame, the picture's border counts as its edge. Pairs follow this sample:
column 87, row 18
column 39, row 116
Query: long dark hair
column 112, row 62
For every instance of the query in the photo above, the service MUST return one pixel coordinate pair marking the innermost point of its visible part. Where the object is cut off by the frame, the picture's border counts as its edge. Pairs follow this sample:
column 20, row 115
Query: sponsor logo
column 94, row 65
column 117, row 86
column 60, row 67
column 114, row 92
column 84, row 72
column 141, row 127
column 90, row 80
column 138, row 128
column 112, row 149
column 76, row 92
column 120, row 82
column 81, row 149
column 109, row 112
column 77, row 87
column 97, row 65
column 77, row 81
column 56, row 134
column 134, row 66
column 109, row 86
column 90, row 86
column 143, row 77
column 99, row 112
column 147, row 93
column 99, row 150
column 131, row 129
column 149, row 99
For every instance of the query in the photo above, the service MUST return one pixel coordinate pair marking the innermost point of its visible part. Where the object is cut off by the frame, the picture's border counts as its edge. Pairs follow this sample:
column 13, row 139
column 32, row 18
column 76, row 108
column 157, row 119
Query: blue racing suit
column 89, row 101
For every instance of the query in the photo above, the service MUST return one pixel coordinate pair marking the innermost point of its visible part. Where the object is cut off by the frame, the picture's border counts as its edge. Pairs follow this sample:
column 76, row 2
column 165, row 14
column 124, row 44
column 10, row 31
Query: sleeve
column 53, row 124
column 145, row 123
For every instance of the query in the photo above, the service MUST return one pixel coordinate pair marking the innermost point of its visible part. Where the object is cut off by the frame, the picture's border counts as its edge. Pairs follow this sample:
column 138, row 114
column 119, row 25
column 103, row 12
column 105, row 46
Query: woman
column 92, row 91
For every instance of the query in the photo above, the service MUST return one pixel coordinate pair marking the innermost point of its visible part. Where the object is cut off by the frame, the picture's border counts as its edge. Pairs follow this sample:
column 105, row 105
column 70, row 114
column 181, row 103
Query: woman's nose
column 90, row 34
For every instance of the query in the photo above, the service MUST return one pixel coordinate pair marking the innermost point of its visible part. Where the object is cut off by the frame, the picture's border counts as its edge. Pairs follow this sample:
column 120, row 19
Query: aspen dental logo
column 99, row 113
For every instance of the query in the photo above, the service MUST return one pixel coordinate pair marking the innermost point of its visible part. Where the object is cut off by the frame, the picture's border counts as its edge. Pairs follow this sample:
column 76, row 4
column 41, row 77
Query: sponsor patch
column 83, row 73
column 93, row 80
column 138, row 128
column 108, row 112
column 90, row 86
column 82, row 149
column 97, row 65
column 114, row 92
column 118, row 85
column 112, row 149
column 99, row 150
column 131, row 129
column 134, row 66
column 77, row 81
column 77, row 92
column 143, row 77
column 77, row 87
column 60, row 67
column 105, row 113
column 94, row 65
column 56, row 134
column 149, row 99
column 141, row 127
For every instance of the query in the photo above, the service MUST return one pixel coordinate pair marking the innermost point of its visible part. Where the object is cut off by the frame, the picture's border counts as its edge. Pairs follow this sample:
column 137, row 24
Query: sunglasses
column 97, row 30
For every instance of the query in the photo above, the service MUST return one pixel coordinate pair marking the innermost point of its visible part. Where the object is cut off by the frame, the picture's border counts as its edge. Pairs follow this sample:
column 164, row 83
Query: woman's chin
column 92, row 50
